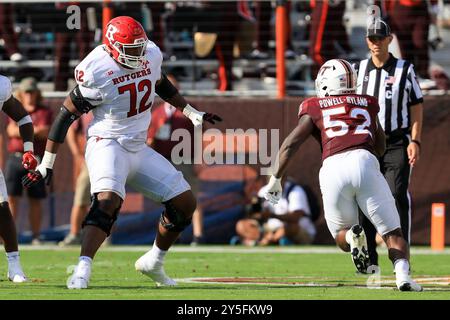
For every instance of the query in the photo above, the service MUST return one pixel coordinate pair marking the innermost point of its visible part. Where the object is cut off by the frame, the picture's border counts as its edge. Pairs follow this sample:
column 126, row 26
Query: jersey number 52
column 337, row 128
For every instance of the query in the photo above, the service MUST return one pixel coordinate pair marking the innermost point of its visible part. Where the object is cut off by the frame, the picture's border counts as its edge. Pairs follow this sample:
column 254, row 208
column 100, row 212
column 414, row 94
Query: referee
column 393, row 82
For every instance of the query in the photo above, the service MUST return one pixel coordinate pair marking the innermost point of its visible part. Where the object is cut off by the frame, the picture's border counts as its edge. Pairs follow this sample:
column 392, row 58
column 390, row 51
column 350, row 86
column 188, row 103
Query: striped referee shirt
column 396, row 87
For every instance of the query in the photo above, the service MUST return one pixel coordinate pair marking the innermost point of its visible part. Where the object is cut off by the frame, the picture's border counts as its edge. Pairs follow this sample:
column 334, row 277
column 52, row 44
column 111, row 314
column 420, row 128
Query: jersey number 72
column 143, row 85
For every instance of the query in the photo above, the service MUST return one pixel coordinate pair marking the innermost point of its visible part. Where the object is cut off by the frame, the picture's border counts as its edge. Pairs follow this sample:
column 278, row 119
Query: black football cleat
column 358, row 248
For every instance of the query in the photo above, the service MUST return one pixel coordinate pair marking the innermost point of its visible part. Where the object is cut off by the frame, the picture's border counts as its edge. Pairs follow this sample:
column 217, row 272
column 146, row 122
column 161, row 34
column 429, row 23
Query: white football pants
column 111, row 167
column 351, row 179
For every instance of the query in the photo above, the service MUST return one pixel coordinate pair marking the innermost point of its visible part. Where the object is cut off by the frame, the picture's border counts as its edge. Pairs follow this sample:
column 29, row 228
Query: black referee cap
column 378, row 28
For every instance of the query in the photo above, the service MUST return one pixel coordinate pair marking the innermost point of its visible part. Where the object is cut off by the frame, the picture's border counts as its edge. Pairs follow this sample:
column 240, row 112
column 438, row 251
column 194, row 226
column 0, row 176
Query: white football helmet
column 335, row 77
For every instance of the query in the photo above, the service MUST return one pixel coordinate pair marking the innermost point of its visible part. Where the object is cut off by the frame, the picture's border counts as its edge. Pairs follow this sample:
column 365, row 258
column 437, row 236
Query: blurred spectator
column 288, row 222
column 30, row 96
column 263, row 15
column 227, row 15
column 327, row 30
column 223, row 18
column 7, row 32
column 152, row 24
column 76, row 139
column 264, row 32
column 165, row 120
column 63, row 40
column 215, row 25
column 440, row 77
column 410, row 21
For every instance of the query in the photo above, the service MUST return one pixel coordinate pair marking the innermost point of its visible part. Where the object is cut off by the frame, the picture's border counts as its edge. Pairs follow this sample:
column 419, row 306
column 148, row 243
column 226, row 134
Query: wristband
column 28, row 146
column 416, row 142
column 274, row 180
column 48, row 160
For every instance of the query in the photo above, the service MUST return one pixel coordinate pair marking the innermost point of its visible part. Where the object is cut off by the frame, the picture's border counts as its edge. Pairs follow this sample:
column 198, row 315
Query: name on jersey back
column 331, row 102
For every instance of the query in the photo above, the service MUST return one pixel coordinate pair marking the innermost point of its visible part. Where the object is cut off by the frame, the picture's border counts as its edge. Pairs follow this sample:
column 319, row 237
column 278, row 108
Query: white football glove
column 274, row 190
column 194, row 115
column 198, row 117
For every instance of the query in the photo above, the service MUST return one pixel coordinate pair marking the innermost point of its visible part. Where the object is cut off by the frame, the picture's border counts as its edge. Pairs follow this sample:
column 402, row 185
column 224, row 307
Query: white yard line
column 303, row 282
column 232, row 249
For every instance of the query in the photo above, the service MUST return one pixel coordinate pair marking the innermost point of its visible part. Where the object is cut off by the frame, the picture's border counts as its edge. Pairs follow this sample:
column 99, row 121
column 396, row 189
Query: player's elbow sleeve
column 63, row 121
column 85, row 99
column 165, row 89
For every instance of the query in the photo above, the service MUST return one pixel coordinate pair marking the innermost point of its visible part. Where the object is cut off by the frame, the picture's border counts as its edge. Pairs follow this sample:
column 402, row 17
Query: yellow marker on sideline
column 437, row 226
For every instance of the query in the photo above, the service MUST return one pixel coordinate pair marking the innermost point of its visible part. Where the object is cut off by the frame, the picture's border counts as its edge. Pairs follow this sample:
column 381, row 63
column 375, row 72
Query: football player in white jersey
column 14, row 109
column 118, row 81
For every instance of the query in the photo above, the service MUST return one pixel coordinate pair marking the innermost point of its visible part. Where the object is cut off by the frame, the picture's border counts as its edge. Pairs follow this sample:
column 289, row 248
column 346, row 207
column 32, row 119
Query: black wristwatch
column 416, row 142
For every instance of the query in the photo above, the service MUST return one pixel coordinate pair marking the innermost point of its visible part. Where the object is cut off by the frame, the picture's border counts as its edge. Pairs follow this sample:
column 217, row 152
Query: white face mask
column 132, row 55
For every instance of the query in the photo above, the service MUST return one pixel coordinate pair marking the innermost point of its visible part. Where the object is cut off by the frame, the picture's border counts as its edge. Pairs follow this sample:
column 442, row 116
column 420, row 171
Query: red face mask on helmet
column 125, row 39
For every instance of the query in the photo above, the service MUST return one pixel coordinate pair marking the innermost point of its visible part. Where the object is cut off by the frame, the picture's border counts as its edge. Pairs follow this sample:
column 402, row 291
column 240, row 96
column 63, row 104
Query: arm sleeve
column 93, row 96
column 165, row 89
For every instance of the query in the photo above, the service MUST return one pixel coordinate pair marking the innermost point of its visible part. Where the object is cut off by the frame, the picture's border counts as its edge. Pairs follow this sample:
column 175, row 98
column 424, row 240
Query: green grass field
column 287, row 273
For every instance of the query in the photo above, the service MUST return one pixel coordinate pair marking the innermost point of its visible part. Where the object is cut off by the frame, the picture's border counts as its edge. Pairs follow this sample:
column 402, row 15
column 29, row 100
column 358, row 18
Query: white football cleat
column 80, row 278
column 405, row 283
column 76, row 282
column 358, row 248
column 15, row 273
column 148, row 266
column 17, row 278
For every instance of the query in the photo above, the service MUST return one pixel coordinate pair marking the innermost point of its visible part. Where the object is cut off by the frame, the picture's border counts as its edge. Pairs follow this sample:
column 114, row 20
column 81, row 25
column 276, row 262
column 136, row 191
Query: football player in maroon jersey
column 346, row 126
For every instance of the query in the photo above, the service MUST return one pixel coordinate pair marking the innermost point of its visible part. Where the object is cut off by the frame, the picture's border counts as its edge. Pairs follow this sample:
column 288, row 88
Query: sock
column 158, row 253
column 13, row 256
column 348, row 236
column 401, row 266
column 85, row 260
